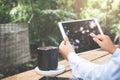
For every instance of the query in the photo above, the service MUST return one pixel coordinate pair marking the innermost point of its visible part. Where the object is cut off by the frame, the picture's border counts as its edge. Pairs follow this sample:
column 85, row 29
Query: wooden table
column 96, row 56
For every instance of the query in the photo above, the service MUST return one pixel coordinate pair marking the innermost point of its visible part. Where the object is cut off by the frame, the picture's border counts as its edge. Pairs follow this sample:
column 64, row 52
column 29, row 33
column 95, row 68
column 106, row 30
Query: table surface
column 95, row 56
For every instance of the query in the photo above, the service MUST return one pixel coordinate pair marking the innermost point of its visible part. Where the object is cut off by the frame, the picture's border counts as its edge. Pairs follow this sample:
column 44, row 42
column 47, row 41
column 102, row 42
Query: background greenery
column 43, row 16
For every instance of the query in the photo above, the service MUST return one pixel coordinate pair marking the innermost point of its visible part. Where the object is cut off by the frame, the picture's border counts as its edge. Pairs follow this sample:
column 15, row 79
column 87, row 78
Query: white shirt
column 90, row 71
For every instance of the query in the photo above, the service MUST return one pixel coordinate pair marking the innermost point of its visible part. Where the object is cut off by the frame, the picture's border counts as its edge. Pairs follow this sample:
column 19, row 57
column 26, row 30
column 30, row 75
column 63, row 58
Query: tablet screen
column 59, row 78
column 78, row 33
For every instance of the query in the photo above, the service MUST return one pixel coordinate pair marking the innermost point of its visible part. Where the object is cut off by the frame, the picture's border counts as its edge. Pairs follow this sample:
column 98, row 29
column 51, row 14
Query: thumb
column 66, row 40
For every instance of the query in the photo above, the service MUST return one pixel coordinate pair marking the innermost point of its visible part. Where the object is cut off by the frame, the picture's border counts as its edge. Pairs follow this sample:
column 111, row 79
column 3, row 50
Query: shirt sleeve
column 90, row 71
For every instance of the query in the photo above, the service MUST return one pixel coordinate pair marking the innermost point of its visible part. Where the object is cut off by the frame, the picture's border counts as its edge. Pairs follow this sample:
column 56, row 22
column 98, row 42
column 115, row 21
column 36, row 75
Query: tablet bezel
column 63, row 31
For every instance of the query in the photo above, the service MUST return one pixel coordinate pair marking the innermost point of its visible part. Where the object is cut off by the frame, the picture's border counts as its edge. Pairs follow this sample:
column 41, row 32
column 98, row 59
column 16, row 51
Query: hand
column 65, row 48
column 104, row 42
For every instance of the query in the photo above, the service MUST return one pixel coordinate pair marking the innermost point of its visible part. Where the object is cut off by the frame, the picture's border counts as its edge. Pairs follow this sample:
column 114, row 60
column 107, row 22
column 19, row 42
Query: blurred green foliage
column 5, row 8
column 43, row 16
column 46, row 14
column 106, row 11
column 45, row 27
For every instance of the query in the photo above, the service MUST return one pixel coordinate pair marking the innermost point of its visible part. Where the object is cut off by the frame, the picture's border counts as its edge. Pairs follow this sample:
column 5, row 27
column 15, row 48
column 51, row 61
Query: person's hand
column 65, row 48
column 104, row 42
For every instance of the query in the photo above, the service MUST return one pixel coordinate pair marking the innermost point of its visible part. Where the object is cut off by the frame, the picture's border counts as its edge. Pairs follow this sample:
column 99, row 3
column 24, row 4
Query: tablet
column 58, row 78
column 78, row 33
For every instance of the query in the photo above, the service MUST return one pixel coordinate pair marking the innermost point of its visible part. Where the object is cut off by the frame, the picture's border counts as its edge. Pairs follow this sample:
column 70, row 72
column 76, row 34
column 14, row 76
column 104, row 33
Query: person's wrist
column 70, row 52
column 112, row 50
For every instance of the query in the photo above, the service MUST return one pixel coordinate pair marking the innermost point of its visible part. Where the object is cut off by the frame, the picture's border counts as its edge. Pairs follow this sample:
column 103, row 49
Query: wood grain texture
column 98, row 57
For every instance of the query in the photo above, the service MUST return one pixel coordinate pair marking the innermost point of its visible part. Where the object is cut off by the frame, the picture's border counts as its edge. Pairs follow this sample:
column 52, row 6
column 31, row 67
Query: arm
column 102, row 40
column 90, row 71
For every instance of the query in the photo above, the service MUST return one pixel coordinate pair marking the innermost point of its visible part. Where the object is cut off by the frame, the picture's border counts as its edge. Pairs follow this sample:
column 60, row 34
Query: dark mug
column 47, row 58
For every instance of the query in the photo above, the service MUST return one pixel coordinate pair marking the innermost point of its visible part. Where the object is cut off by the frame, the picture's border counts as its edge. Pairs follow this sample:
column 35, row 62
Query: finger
column 99, row 36
column 62, row 43
column 66, row 40
column 93, row 35
column 97, row 41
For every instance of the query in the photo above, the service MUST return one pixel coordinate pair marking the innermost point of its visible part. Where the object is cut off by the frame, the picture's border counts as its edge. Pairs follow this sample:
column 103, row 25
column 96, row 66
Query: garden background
column 42, row 17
